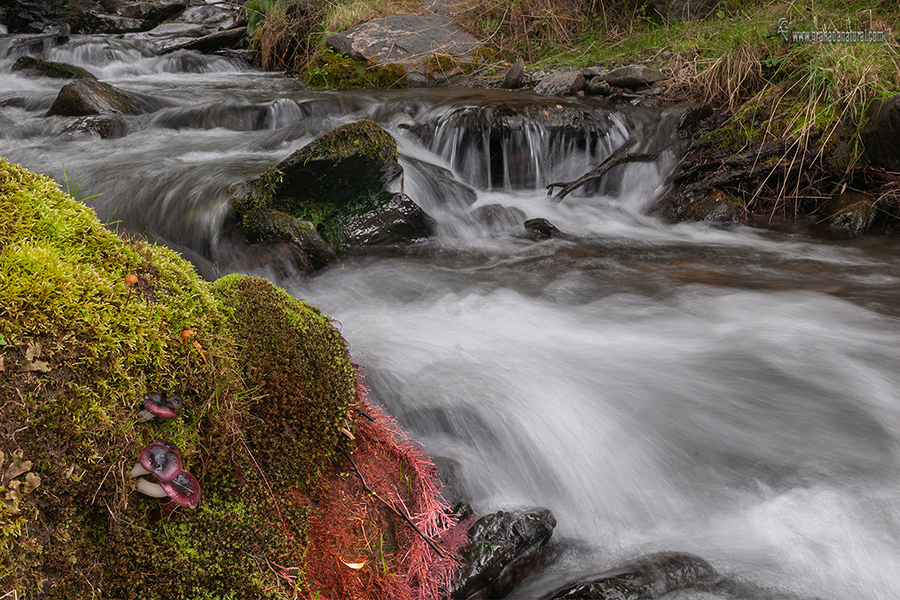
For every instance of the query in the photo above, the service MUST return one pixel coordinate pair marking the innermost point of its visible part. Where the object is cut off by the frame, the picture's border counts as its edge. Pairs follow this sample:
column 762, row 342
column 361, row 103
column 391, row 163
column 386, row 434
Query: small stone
column 515, row 77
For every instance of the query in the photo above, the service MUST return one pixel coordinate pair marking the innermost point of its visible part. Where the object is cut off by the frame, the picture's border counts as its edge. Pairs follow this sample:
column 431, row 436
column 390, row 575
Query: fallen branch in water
column 616, row 158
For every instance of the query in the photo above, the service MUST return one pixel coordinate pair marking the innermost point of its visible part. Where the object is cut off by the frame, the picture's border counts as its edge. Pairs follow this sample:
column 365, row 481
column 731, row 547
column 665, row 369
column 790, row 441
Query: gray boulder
column 881, row 133
column 633, row 76
column 91, row 97
column 408, row 40
column 651, row 577
column 562, row 82
column 500, row 219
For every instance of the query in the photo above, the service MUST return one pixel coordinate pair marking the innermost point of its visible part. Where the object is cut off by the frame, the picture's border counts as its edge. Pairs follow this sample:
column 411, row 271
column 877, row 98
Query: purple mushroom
column 184, row 490
column 160, row 407
column 161, row 459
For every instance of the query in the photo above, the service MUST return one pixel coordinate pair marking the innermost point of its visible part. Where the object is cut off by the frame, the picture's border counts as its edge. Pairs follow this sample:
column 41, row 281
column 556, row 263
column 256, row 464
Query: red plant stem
column 434, row 546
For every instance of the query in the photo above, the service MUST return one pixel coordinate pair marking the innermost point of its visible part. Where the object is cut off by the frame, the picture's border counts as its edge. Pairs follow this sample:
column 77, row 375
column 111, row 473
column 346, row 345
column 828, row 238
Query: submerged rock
column 504, row 548
column 650, row 577
column 46, row 68
column 91, row 97
column 500, row 219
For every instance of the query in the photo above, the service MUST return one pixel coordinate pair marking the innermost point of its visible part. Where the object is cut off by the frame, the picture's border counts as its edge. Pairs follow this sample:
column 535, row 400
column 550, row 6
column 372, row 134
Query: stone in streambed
column 504, row 548
column 39, row 67
column 91, row 97
column 650, row 577
column 333, row 189
column 562, row 82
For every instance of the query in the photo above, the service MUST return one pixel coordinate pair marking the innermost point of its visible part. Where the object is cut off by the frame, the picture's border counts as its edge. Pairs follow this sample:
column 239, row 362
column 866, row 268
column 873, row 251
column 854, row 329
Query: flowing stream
column 729, row 392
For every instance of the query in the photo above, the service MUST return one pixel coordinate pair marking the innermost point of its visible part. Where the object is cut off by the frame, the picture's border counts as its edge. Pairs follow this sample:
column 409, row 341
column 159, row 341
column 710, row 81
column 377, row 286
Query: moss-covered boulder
column 91, row 97
column 89, row 324
column 47, row 68
column 331, row 185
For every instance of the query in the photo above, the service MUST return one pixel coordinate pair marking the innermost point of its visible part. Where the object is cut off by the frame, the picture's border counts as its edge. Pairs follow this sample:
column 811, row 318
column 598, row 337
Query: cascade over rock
column 650, row 577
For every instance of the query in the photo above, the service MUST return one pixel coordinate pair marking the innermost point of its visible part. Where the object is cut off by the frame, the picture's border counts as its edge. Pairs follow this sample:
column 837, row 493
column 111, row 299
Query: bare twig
column 434, row 545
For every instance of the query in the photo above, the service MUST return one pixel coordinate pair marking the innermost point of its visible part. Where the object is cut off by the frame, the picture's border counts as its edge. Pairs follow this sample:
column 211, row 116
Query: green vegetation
column 81, row 345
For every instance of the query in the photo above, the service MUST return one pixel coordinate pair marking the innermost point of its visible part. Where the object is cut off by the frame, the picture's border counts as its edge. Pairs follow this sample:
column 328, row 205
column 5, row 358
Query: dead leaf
column 31, row 353
column 355, row 566
column 346, row 432
column 18, row 466
column 2, row 366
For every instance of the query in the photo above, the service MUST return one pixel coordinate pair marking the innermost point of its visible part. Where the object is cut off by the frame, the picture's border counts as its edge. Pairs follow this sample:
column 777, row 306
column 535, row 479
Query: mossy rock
column 266, row 382
column 57, row 70
column 328, row 183
column 299, row 365
column 331, row 70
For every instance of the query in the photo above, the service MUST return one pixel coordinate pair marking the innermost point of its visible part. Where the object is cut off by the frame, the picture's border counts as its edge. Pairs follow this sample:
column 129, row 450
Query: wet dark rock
column 650, row 577
column 35, row 16
column 500, row 219
column 211, row 43
column 689, row 204
column 596, row 86
column 504, row 547
column 685, row 10
column 153, row 12
column 408, row 40
column 333, row 188
column 397, row 222
column 37, row 44
column 847, row 215
column 515, row 77
column 562, row 82
column 46, row 68
column 541, row 229
column 881, row 133
column 95, row 21
column 633, row 76
column 91, row 97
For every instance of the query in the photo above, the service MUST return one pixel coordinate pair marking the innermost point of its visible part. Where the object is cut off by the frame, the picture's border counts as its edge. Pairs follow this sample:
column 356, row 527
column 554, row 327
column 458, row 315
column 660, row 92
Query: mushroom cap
column 174, row 402
column 156, row 404
column 161, row 459
column 184, row 490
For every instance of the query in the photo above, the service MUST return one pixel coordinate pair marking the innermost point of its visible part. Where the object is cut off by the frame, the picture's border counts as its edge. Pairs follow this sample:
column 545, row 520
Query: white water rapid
column 729, row 392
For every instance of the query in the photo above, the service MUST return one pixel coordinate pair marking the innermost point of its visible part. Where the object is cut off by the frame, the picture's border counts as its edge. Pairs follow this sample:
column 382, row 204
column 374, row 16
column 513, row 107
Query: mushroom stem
column 149, row 488
column 137, row 470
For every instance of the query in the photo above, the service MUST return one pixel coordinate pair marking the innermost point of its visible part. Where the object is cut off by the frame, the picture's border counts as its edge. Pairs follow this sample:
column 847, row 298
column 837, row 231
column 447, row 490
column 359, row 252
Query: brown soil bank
column 304, row 489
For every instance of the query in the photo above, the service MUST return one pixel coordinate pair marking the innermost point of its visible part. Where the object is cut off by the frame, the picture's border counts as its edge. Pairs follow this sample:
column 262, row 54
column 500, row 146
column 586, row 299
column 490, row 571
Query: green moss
column 266, row 382
column 340, row 175
column 332, row 70
column 300, row 366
